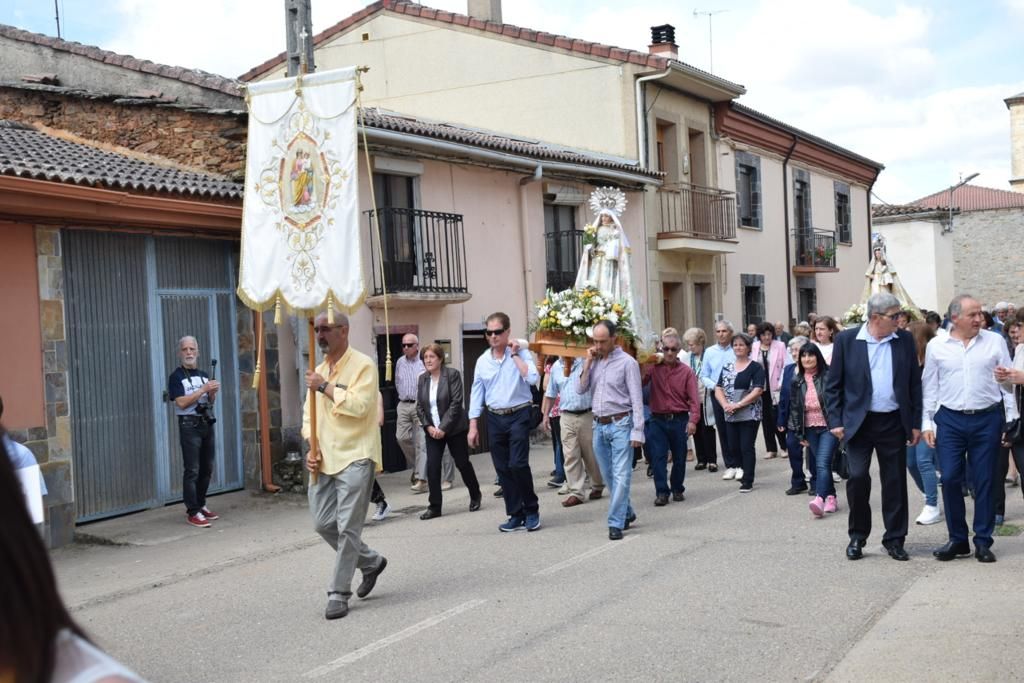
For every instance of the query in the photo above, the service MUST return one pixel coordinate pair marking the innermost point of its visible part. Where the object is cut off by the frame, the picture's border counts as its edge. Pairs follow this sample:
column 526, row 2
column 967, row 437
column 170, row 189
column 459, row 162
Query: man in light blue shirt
column 715, row 358
column 577, row 431
column 501, row 391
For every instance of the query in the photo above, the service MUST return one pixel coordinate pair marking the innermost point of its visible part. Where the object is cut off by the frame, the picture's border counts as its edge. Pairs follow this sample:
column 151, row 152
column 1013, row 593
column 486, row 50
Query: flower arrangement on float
column 574, row 312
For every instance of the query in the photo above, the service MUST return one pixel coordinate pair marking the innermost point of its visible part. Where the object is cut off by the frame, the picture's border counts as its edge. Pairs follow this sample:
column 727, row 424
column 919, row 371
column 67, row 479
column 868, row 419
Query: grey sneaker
column 336, row 608
column 370, row 578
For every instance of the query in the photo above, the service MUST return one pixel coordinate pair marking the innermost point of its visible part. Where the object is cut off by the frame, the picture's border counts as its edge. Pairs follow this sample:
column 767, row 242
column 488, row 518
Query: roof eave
column 706, row 85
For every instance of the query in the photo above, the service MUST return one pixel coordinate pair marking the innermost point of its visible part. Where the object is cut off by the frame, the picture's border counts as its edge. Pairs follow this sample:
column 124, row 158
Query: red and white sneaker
column 198, row 519
column 209, row 514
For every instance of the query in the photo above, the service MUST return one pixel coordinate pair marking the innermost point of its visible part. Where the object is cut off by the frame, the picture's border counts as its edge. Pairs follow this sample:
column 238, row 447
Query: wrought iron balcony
column 424, row 253
column 563, row 250
column 695, row 211
column 815, row 250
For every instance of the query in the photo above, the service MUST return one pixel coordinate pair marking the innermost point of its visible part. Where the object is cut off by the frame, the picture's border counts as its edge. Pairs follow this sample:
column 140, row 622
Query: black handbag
column 840, row 464
column 1014, row 434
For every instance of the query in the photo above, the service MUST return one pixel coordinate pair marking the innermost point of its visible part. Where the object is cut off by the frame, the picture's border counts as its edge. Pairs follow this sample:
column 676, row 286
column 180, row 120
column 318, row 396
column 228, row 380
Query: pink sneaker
column 830, row 504
column 817, row 506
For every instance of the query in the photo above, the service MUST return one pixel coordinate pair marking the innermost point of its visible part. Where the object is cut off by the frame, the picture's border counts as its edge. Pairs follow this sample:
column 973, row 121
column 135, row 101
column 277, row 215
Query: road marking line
column 584, row 556
column 715, row 501
column 356, row 655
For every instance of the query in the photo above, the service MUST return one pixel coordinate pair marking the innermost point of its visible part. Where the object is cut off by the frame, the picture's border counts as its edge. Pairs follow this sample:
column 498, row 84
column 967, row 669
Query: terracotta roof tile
column 889, row 210
column 515, row 32
column 203, row 79
column 29, row 153
column 975, row 198
column 400, row 123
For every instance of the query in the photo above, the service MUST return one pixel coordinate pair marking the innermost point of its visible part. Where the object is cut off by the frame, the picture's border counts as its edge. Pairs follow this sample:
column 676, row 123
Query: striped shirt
column 407, row 375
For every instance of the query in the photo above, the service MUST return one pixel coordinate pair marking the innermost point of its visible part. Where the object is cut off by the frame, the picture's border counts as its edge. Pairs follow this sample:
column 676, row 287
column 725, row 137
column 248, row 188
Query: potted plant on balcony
column 823, row 254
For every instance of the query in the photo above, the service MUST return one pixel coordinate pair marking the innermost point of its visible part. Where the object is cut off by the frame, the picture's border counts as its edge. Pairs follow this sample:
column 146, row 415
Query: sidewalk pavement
column 952, row 621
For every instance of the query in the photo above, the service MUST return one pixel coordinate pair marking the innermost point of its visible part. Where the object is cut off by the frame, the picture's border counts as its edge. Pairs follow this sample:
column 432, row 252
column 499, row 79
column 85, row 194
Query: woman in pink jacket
column 771, row 354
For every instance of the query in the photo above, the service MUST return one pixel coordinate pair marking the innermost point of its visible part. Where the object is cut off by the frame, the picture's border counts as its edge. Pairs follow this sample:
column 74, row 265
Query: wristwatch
column 322, row 388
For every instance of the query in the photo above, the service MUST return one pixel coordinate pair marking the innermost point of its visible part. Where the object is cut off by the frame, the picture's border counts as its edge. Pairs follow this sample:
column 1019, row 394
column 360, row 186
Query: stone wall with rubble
column 197, row 139
column 989, row 255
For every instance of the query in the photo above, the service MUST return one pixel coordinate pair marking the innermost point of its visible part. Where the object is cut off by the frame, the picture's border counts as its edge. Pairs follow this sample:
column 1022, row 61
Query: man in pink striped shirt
column 675, row 410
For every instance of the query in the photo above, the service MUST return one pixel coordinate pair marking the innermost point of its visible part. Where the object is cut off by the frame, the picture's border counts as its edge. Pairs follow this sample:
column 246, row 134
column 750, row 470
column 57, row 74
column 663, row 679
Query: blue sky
column 918, row 86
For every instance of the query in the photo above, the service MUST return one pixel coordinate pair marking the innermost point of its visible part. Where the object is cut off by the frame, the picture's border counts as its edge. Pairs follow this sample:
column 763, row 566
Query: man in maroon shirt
column 675, row 410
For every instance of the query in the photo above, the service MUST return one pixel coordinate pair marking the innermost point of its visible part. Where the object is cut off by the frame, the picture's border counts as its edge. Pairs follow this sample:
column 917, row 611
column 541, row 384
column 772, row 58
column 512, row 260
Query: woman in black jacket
column 443, row 416
column 808, row 420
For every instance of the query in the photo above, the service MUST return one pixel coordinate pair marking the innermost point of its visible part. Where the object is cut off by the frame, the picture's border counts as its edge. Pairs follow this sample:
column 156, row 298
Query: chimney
column 485, row 10
column 1016, row 106
column 663, row 41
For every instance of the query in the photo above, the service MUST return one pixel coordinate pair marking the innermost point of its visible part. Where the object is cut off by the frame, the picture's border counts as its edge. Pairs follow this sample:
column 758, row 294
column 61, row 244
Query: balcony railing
column 815, row 249
column 695, row 211
column 562, row 249
column 423, row 251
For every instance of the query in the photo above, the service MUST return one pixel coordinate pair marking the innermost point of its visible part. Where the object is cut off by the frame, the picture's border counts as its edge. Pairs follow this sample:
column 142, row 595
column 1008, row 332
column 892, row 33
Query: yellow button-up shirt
column 346, row 426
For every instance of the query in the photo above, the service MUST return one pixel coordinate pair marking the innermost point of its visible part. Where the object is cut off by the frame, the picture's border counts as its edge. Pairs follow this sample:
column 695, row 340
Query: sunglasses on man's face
column 670, row 349
column 494, row 333
column 407, row 346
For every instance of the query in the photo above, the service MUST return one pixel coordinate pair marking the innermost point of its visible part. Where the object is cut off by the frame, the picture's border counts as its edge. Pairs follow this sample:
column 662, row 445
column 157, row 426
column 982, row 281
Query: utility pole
column 56, row 10
column 298, row 18
column 711, row 55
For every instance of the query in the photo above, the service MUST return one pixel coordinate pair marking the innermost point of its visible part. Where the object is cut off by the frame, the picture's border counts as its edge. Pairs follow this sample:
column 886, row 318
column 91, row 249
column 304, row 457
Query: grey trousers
column 413, row 442
column 338, row 505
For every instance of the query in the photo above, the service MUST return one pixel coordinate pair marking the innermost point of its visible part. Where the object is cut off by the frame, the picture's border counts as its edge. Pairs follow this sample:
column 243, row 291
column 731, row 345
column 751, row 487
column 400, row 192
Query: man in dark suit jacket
column 873, row 395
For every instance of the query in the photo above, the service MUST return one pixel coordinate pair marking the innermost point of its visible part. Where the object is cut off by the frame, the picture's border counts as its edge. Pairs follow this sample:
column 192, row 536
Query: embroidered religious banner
column 300, row 225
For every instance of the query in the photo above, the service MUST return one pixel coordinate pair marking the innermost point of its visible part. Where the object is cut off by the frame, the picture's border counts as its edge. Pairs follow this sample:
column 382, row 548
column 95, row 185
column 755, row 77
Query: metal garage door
column 129, row 299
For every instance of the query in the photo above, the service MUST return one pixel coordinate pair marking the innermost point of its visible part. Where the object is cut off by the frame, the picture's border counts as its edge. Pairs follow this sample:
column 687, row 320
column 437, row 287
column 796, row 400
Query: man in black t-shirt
column 193, row 393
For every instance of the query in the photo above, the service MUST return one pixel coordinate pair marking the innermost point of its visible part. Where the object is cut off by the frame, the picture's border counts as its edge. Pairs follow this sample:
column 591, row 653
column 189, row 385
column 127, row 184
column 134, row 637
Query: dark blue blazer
column 848, row 387
column 787, row 384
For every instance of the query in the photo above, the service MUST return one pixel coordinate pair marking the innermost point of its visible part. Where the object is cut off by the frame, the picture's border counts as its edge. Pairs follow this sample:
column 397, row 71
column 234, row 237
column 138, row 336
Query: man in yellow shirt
column 348, row 458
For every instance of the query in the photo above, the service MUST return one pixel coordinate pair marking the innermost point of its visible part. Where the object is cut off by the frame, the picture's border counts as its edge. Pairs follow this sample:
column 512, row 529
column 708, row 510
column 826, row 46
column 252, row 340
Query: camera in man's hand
column 204, row 411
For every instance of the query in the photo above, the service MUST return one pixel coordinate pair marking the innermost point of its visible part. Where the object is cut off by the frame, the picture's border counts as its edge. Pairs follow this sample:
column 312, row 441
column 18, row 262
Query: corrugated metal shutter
column 111, row 389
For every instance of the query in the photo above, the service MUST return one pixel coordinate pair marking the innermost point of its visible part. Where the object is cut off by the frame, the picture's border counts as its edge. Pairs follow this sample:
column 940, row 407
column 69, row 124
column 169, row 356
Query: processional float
column 301, row 250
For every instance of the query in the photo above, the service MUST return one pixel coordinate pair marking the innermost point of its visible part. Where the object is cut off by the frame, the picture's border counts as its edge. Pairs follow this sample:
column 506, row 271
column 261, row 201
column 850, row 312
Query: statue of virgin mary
column 881, row 276
column 605, row 263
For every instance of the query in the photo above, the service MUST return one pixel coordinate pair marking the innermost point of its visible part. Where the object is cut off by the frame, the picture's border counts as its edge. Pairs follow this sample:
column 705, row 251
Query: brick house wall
column 988, row 255
column 203, row 140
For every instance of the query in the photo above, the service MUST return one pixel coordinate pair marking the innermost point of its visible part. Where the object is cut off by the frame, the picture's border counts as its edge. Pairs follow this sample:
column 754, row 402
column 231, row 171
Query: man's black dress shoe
column 474, row 504
column 951, row 551
column 614, row 533
column 661, row 500
column 430, row 514
column 793, row 490
column 984, row 554
column 630, row 520
column 678, row 497
column 855, row 550
column 897, row 552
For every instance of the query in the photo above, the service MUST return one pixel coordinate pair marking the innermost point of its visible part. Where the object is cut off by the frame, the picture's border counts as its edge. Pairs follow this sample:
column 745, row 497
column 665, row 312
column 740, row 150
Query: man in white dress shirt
column 965, row 414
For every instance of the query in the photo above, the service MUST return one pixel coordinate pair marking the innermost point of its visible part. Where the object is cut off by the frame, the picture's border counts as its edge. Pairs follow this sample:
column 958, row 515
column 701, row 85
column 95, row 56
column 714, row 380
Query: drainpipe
column 871, row 187
column 785, row 210
column 641, row 115
column 524, row 233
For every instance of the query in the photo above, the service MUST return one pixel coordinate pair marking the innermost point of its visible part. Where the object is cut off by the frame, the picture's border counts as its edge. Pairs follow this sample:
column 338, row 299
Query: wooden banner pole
column 313, row 445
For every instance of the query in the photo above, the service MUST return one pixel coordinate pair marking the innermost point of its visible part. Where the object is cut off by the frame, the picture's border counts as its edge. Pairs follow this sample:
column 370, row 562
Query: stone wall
column 51, row 443
column 988, row 254
column 199, row 140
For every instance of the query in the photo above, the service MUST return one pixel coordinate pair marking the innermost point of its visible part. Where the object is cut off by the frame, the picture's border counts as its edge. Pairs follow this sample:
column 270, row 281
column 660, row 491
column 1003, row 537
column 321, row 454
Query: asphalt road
column 721, row 586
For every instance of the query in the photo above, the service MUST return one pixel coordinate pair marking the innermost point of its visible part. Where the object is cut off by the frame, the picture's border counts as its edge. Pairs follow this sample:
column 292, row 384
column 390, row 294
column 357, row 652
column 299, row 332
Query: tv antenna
column 56, row 9
column 711, row 55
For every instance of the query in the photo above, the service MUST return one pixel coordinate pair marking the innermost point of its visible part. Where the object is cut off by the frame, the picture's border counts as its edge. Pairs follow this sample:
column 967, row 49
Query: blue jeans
column 962, row 442
column 796, row 460
column 615, row 459
column 556, row 442
column 664, row 435
column 921, row 462
column 823, row 444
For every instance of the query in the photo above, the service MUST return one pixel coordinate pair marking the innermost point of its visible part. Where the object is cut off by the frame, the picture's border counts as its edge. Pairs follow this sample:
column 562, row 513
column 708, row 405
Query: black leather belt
column 406, row 400
column 508, row 411
column 977, row 411
column 671, row 416
column 576, row 412
column 608, row 419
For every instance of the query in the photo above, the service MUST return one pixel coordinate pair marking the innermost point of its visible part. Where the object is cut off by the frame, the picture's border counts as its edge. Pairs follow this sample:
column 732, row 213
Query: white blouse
column 433, row 403
column 79, row 661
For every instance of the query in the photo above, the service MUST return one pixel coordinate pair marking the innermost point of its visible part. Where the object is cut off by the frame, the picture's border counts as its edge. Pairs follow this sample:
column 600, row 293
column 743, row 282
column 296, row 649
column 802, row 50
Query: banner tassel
column 330, row 308
column 259, row 354
column 277, row 311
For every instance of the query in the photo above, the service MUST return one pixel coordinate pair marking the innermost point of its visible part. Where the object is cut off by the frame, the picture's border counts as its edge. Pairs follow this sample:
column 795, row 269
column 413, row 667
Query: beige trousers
column 578, row 450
